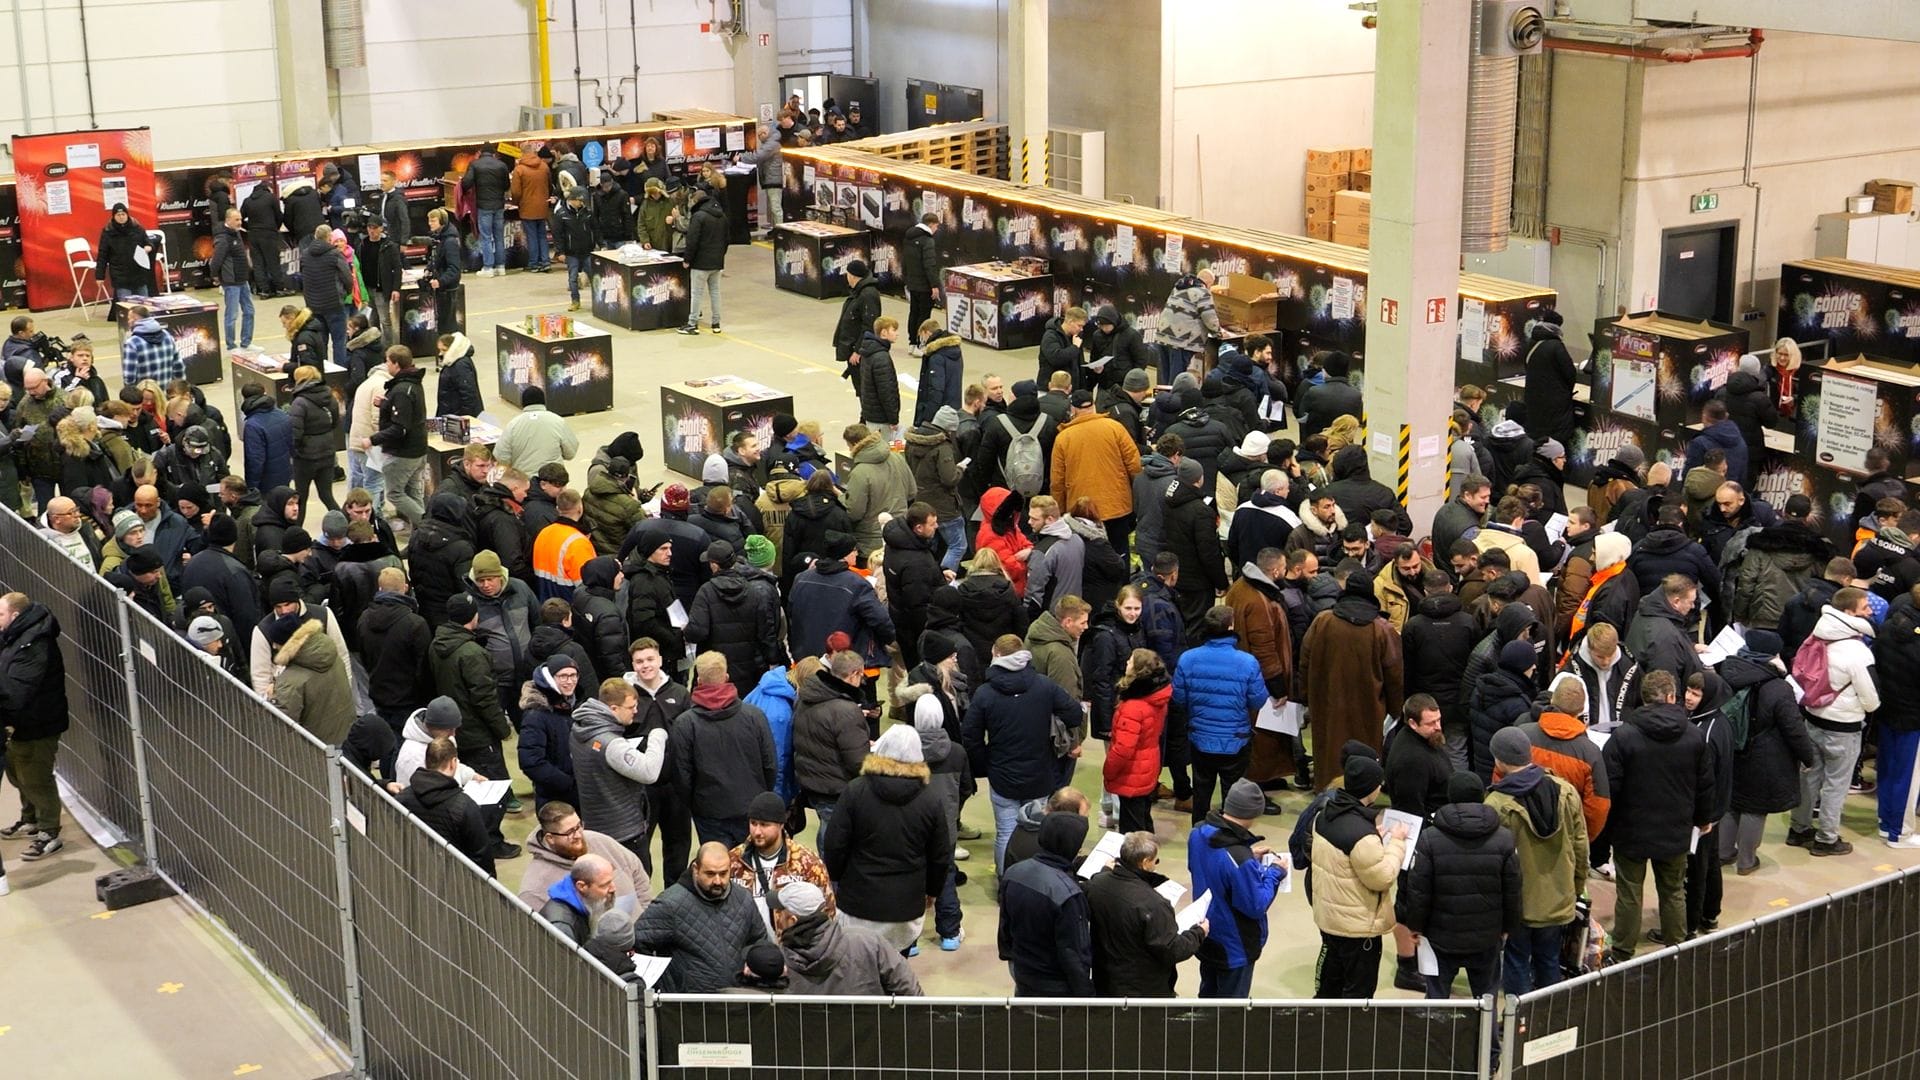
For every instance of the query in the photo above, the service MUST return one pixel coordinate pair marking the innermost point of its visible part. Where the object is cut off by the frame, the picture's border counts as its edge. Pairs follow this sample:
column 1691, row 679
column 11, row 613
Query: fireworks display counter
column 639, row 290
column 272, row 371
column 811, row 257
column 419, row 316
column 568, row 360
column 195, row 326
column 999, row 305
column 447, row 440
column 698, row 415
column 1858, row 309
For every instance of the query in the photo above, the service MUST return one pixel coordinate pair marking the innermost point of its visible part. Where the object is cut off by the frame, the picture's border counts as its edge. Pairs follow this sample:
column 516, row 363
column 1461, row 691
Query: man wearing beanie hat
column 1614, row 478
column 546, row 725
column 760, row 552
column 769, row 861
column 225, row 577
column 737, row 614
column 1126, row 403
column 1354, row 672
column 126, row 524
column 888, row 844
column 826, row 956
column 1354, row 870
column 610, row 504
column 1244, row 874
column 857, row 313
column 507, row 611
column 1501, row 699
column 286, row 609
column 829, row 597
column 933, row 456
column 1300, row 841
column 1462, row 893
column 1190, row 529
column 1543, row 814
column 464, row 672
column 1022, row 417
column 1046, row 933
column 140, row 576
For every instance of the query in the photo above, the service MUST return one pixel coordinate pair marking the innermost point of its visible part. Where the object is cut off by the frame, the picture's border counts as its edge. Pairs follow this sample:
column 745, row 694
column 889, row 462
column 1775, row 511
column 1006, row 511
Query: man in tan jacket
column 1355, row 866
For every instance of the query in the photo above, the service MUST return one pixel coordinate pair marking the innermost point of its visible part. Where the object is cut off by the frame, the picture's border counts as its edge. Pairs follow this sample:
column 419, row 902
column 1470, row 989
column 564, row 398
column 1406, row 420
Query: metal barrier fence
column 97, row 754
column 733, row 1037
column 458, row 980
column 1826, row 988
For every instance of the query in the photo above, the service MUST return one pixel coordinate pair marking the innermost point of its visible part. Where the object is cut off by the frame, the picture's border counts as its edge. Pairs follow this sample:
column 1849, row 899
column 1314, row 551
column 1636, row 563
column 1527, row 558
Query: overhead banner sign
column 67, row 184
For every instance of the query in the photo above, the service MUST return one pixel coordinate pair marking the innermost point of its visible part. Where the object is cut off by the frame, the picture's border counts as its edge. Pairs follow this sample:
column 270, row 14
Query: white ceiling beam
column 1886, row 20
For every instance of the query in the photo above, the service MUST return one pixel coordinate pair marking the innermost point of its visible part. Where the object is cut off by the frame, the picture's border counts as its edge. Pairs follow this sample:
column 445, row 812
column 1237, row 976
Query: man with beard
column 705, row 922
column 562, row 838
column 1417, row 765
column 580, row 897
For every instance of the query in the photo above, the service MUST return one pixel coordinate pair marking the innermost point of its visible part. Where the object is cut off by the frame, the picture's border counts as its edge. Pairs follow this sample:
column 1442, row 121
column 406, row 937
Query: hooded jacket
column 1202, row 437
column 936, row 471
column 857, row 313
column 1132, row 766
column 1549, row 384
column 1008, row 730
column 1093, row 456
column 1137, row 946
column 829, row 735
column 267, row 434
column 1436, row 643
column 1149, row 503
column 613, row 765
column 887, row 845
column 877, row 382
column 1104, row 651
column 812, row 523
column 1354, row 869
column 1220, row 860
column 315, row 421
column 439, row 555
column 546, row 866
column 394, row 641
column 1561, row 746
column 1000, row 532
column 1358, row 495
column 1191, row 530
column 722, row 753
column 1023, row 415
column 1501, row 699
column 1541, row 813
column 1659, row 639
column 1321, row 403
column 1463, row 891
column 1724, row 436
column 599, row 619
column 463, row 672
column 313, row 687
column 440, row 804
column 1189, row 317
column 708, row 938
column 1661, row 774
column 1779, row 562
column 459, row 391
column 326, row 278
column 989, row 610
column 1045, row 930
column 1849, row 660
column 824, row 956
column 879, row 481
column 737, row 614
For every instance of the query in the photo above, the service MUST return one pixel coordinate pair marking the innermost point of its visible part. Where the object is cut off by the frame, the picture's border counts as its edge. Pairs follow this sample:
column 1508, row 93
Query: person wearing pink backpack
column 1834, row 669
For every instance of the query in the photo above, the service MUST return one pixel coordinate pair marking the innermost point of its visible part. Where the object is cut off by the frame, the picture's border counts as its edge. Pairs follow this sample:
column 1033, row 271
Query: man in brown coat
column 1094, row 457
column 1354, row 674
column 1261, row 623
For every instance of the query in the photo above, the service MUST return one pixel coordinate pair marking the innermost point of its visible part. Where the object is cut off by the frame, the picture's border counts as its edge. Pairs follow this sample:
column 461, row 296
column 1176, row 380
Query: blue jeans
column 822, row 809
column 1173, row 361
column 336, row 324
column 239, row 300
column 946, row 909
column 1006, row 815
column 537, row 255
column 1226, row 982
column 1532, row 959
column 359, row 476
column 493, row 238
column 576, row 269
column 953, row 532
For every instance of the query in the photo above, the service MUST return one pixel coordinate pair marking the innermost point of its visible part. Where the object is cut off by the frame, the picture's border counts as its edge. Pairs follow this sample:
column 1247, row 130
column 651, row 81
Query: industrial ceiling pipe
column 1666, row 56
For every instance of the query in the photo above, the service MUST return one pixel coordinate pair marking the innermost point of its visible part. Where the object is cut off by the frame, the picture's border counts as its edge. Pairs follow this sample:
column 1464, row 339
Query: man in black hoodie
column 1191, row 531
column 1661, row 775
column 1203, row 439
column 736, row 614
column 402, row 435
column 1463, row 892
column 1358, row 494
column 1320, row 405
column 393, row 641
column 260, row 212
column 1437, row 642
column 857, row 313
column 1550, row 381
column 325, row 279
column 1046, row 933
column 436, row 798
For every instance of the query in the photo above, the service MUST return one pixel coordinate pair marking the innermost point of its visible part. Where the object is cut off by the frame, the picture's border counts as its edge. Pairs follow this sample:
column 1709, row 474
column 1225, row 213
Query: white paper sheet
column 1284, row 719
column 1189, row 917
column 1104, row 854
column 488, row 792
column 1413, row 824
column 1285, row 860
column 1724, row 644
column 1556, row 527
column 1599, row 738
column 677, row 615
column 1693, row 842
column 1172, row 890
column 650, row 968
column 1428, row 962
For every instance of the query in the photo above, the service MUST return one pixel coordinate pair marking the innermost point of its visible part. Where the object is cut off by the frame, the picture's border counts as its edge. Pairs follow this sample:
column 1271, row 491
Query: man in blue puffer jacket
column 1224, row 857
column 1219, row 689
column 775, row 696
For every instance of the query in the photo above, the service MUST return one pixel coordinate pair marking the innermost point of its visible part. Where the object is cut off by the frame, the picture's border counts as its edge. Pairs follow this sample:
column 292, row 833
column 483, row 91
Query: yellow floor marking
column 170, row 988
column 1782, row 902
column 4, row 1028
column 1884, row 868
column 245, row 1069
column 101, row 915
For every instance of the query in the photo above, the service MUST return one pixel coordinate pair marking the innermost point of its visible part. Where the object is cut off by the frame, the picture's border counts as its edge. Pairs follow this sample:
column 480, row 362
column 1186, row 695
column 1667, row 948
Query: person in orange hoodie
column 530, row 187
column 1000, row 514
column 1561, row 746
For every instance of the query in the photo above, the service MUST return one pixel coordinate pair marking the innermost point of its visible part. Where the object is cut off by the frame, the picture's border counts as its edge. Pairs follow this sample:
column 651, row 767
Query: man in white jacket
column 1835, row 726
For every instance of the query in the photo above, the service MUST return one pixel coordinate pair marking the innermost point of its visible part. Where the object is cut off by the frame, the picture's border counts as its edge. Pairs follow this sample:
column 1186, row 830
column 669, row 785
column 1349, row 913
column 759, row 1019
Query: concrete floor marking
column 245, row 1069
column 170, row 988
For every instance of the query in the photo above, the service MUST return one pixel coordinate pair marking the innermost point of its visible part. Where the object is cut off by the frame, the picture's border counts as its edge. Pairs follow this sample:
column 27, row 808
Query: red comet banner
column 68, row 184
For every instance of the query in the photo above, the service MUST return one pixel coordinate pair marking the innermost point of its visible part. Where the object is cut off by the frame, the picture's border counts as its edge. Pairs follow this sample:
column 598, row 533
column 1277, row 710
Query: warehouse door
column 1697, row 271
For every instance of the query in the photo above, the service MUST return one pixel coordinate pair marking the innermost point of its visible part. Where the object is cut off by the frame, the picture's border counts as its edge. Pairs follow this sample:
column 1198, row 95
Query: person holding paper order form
column 1236, row 869
column 1462, row 893
column 1138, row 942
column 1356, row 860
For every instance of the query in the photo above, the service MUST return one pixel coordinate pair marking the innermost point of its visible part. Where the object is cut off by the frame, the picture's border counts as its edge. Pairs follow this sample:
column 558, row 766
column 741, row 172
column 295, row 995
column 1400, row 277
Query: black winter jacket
column 33, row 675
column 1190, row 530
column 230, row 263
column 1008, row 731
column 1463, row 891
column 737, row 614
column 887, row 845
column 1549, row 387
column 878, row 383
column 1104, row 653
column 707, row 235
column 439, row 555
column 1358, row 494
column 1669, row 551
column 814, row 521
column 1501, row 699
column 442, row 806
column 920, row 268
column 649, row 594
column 1057, row 352
column 1045, row 929
column 857, row 313
column 326, row 278
column 393, row 650
column 721, row 757
column 1750, row 405
column 1437, row 640
column 1661, row 775
column 316, row 419
column 1137, row 947
column 1659, row 639
column 489, row 178
column 402, row 429
column 988, row 610
column 599, row 624
column 1323, row 404
column 829, row 734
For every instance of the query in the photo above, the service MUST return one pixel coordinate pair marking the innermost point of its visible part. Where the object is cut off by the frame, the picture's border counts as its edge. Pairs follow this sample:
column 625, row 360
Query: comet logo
column 113, row 165
column 57, row 169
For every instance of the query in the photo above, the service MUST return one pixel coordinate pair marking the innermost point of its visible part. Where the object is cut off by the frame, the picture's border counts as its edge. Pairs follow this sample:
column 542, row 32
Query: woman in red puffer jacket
column 1132, row 769
column 1000, row 513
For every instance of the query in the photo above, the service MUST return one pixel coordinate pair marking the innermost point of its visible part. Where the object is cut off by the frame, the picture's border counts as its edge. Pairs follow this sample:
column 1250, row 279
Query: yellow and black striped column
column 1026, row 160
column 1453, row 435
column 1404, row 473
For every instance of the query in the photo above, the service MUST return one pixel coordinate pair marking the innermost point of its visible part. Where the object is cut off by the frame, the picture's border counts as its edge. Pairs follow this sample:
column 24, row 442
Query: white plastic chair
column 75, row 267
column 161, row 264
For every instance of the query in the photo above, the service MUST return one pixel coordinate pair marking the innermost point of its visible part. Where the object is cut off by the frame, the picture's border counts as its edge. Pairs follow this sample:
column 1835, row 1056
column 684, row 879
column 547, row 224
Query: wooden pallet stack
column 1332, row 174
column 977, row 148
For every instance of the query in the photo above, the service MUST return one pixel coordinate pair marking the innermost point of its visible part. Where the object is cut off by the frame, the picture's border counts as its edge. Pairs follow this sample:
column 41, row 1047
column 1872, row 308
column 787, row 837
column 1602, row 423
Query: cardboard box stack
column 1352, row 218
column 1330, row 172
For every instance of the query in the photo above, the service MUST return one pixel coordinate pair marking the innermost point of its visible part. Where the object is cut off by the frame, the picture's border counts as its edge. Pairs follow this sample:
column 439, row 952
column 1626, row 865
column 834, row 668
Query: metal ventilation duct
column 1493, row 86
column 346, row 33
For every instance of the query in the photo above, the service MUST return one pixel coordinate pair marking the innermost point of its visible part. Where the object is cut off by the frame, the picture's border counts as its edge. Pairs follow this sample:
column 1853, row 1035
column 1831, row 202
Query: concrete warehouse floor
column 780, row 339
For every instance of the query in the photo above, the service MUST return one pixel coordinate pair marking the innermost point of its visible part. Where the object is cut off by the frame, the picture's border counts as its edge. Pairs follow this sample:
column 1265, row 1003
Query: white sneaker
column 1909, row 841
column 4, row 887
column 961, row 854
column 1605, row 870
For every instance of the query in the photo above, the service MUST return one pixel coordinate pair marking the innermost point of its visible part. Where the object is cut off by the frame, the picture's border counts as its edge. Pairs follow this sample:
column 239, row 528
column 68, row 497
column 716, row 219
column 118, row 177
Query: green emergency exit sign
column 1706, row 202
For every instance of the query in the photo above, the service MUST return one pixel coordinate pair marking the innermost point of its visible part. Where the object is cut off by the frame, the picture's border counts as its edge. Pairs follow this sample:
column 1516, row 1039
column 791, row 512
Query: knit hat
column 935, row 648
column 714, row 470
column 1254, row 446
column 857, row 268
column 281, row 627
column 1244, row 800
column 801, row 898
column 1062, row 832
column 760, row 551
column 839, row 641
column 334, row 525
column 144, row 560
column 486, row 564
column 1610, row 549
column 1136, row 381
column 838, row 548
column 947, row 419
column 1184, row 381
column 719, row 552
column 205, row 630
column 1512, row 747
column 928, row 715
column 283, row 589
column 615, row 925
column 1631, row 456
column 784, row 424
column 1359, row 584
column 295, row 540
column 767, row 806
column 675, row 497
column 461, row 609
column 1517, row 657
column 899, row 743
column 125, row 522
column 1763, row 643
column 442, row 713
column 627, row 445
column 766, row 962
column 558, row 663
column 221, row 531
column 1354, row 748
column 1465, row 787
column 1550, row 449
column 1190, row 471
column 1025, row 388
column 1362, row 776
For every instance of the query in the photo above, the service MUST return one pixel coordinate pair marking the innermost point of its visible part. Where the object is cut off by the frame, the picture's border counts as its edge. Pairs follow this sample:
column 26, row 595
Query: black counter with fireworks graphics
column 697, row 417
column 646, row 293
column 195, row 326
column 811, row 257
column 183, row 189
column 271, row 370
column 419, row 315
column 1857, row 308
column 575, row 371
column 999, row 305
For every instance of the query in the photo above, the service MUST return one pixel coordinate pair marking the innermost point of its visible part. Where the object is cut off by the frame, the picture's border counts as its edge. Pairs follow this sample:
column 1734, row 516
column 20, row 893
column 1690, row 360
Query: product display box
column 1856, row 308
column 639, row 289
column 1245, row 302
column 447, row 440
column 272, row 371
column 998, row 304
column 811, row 257
column 195, row 326
column 568, row 359
column 420, row 327
column 699, row 415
